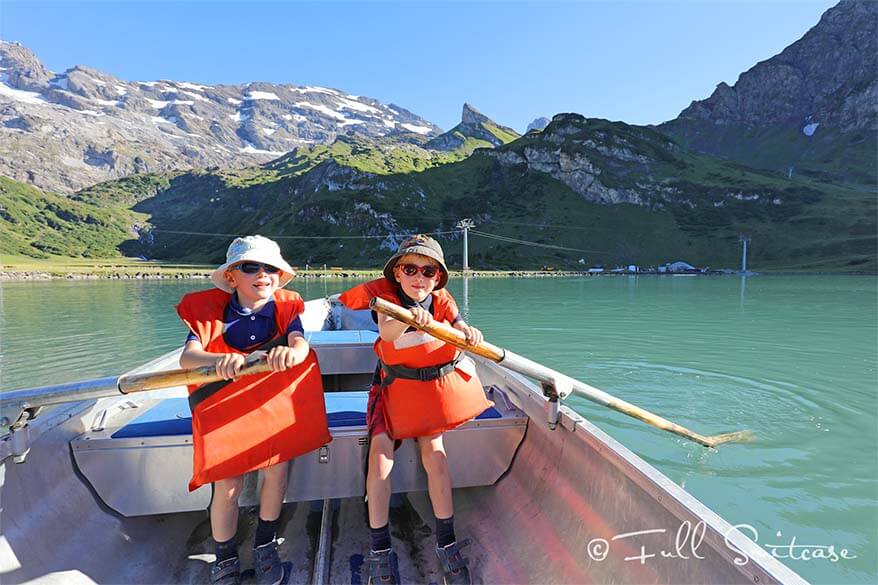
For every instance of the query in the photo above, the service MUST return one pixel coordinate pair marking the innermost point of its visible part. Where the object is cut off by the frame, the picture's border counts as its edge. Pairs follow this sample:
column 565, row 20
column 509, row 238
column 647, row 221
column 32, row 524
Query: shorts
column 375, row 413
column 375, row 419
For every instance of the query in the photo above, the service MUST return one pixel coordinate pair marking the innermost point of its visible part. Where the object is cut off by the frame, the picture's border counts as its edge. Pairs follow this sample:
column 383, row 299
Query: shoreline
column 47, row 275
column 165, row 274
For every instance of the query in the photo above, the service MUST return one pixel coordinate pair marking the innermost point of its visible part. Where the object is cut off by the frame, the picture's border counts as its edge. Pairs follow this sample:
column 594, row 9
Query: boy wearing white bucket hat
column 254, row 422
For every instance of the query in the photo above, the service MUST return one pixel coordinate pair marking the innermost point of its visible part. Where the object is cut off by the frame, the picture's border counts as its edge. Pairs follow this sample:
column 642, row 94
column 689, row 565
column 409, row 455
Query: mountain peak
column 472, row 116
column 21, row 68
column 475, row 130
column 538, row 124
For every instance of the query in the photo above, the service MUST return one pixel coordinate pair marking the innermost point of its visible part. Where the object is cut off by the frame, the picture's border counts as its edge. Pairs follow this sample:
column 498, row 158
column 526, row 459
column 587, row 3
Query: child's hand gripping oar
column 564, row 384
column 256, row 364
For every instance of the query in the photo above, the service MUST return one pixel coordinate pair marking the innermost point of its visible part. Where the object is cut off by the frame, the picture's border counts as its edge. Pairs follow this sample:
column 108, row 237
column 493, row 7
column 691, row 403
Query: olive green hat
column 425, row 246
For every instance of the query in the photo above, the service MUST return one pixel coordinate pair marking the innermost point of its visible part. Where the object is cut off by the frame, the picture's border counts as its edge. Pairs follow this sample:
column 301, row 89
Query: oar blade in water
column 733, row 437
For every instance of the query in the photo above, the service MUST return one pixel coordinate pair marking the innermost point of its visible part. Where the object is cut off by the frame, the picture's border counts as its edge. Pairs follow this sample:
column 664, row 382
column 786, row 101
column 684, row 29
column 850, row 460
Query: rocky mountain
column 813, row 108
column 604, row 191
column 64, row 131
column 798, row 177
column 538, row 124
column 475, row 130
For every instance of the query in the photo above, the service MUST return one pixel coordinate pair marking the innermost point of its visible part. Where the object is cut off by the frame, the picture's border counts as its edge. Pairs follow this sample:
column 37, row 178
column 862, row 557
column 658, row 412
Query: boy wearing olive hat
column 254, row 422
column 424, row 387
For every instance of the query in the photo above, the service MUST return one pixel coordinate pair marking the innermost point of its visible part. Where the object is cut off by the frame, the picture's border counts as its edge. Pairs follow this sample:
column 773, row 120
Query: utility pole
column 466, row 225
column 744, row 240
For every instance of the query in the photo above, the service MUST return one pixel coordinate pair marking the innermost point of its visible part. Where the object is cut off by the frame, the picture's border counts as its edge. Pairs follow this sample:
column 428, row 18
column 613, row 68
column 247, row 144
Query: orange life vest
column 257, row 420
column 415, row 408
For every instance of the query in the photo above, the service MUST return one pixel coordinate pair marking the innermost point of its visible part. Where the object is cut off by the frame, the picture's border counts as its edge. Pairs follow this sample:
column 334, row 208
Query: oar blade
column 734, row 437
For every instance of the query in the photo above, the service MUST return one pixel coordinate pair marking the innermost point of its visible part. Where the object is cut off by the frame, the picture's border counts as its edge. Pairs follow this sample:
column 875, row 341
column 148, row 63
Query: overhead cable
column 181, row 232
column 535, row 244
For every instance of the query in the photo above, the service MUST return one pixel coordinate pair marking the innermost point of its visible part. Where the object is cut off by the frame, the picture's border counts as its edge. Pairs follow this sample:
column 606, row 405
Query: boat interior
column 544, row 495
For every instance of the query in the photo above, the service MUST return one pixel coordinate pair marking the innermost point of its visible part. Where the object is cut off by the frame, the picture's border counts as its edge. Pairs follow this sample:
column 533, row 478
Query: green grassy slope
column 849, row 159
column 38, row 224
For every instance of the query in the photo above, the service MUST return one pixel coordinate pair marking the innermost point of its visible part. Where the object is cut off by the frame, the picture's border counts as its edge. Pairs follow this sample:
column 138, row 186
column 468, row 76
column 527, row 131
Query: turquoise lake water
column 794, row 359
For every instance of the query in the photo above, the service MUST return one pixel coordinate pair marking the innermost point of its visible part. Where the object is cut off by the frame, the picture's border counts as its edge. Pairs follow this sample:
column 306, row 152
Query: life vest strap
column 427, row 374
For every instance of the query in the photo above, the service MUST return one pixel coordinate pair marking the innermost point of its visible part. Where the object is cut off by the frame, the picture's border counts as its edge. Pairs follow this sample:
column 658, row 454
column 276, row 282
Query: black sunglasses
column 255, row 267
column 428, row 271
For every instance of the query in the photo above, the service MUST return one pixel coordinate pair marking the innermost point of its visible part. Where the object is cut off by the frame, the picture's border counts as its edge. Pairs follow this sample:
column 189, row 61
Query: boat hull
column 569, row 504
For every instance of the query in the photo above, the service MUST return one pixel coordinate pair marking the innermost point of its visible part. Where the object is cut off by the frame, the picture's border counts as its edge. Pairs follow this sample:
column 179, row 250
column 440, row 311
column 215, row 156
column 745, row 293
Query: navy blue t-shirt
column 245, row 330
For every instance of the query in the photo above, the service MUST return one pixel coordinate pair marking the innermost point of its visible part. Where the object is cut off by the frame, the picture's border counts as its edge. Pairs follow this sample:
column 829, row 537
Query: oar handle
column 193, row 376
column 29, row 398
column 542, row 373
column 438, row 330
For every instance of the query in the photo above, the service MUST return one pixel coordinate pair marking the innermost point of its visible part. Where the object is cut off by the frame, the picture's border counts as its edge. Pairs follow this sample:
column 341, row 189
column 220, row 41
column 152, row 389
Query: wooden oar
column 32, row 398
column 562, row 383
column 193, row 376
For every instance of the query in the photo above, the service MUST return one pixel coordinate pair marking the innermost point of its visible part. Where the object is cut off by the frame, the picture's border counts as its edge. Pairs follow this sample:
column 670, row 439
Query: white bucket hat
column 253, row 249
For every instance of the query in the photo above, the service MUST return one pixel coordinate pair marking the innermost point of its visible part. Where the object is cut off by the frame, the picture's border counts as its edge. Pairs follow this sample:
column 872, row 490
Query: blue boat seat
column 172, row 416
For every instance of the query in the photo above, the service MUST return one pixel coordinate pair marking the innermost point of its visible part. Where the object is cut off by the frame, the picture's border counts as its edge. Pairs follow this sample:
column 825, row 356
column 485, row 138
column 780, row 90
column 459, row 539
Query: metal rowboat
column 94, row 491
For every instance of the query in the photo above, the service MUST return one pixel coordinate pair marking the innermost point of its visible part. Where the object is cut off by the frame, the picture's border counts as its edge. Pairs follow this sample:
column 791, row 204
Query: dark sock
column 266, row 530
column 226, row 550
column 444, row 531
column 380, row 537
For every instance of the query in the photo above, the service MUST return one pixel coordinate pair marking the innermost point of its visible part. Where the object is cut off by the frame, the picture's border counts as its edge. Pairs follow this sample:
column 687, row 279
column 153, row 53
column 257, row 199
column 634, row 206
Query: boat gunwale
column 680, row 503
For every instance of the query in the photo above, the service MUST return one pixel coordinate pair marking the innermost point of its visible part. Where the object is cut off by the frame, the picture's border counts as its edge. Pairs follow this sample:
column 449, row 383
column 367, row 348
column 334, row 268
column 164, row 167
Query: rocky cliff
column 826, row 78
column 813, row 108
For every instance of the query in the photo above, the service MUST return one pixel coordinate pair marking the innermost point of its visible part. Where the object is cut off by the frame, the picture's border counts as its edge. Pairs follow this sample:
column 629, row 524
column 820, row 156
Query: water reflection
column 465, row 307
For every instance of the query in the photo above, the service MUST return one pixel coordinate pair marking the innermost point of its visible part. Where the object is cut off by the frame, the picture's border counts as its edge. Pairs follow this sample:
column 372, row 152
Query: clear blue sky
column 640, row 61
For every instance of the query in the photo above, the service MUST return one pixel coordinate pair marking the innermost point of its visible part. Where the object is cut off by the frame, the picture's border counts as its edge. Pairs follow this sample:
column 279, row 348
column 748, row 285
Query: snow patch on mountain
column 261, row 95
column 322, row 109
column 357, row 106
column 195, row 95
column 417, row 129
column 26, row 97
column 192, row 86
column 250, row 149
column 310, row 89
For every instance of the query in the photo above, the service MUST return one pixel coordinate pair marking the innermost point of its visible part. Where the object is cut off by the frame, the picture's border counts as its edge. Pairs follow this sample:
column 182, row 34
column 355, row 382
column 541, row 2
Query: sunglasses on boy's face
column 255, row 267
column 428, row 271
